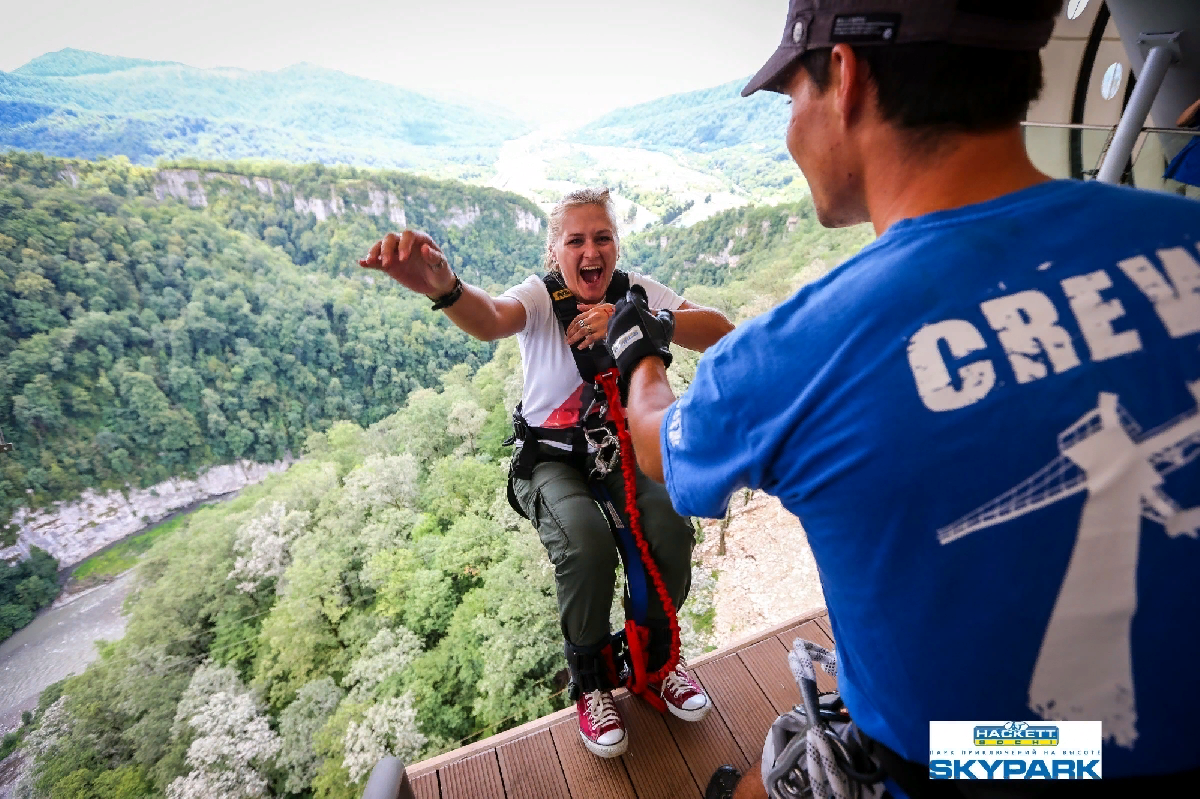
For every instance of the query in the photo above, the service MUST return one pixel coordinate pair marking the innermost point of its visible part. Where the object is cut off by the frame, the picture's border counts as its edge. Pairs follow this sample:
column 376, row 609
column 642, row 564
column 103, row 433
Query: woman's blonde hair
column 590, row 196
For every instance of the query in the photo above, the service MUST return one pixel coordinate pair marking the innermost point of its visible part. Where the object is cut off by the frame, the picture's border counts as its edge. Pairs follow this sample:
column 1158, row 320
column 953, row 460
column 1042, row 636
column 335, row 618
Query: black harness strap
column 595, row 359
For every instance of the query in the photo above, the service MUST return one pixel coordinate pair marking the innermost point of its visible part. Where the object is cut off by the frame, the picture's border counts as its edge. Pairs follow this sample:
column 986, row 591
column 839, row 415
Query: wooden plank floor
column 749, row 682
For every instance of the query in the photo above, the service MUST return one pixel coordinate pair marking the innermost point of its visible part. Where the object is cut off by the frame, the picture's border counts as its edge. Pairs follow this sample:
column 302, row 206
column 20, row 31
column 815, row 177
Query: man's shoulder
column 1092, row 194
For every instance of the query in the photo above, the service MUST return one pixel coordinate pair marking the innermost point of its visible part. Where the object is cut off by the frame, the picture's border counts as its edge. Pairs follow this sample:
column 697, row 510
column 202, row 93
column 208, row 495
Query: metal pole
column 1157, row 62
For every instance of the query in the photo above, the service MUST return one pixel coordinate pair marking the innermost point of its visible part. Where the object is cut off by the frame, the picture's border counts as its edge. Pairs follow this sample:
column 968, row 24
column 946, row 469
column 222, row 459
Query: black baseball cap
column 814, row 24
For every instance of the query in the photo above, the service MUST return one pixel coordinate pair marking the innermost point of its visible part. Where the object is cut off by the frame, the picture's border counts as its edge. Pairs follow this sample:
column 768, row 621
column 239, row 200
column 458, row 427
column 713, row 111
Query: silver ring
column 587, row 327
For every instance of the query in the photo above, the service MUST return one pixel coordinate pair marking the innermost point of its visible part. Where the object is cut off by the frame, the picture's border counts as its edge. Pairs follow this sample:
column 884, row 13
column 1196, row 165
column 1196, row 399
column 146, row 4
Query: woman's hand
column 590, row 326
column 413, row 260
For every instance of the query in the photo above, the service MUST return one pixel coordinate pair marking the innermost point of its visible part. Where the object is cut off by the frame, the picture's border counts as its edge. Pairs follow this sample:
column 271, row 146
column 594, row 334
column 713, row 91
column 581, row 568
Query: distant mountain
column 71, row 62
column 79, row 104
column 701, row 121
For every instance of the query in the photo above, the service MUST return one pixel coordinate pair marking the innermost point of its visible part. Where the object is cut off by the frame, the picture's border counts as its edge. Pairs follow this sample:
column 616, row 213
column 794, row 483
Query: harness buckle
column 608, row 449
column 520, row 428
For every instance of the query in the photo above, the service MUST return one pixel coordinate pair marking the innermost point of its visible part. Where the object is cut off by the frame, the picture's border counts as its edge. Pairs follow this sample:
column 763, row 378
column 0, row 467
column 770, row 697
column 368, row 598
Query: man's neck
column 963, row 169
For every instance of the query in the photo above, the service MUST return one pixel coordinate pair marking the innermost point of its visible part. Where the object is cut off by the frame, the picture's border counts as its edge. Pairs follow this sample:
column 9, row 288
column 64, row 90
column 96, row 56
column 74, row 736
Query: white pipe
column 1157, row 62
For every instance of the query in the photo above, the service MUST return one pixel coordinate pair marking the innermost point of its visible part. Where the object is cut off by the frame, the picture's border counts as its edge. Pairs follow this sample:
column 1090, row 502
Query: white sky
column 549, row 61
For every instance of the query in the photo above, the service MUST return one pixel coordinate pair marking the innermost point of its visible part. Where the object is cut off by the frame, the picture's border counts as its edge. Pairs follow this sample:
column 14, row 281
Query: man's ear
column 847, row 73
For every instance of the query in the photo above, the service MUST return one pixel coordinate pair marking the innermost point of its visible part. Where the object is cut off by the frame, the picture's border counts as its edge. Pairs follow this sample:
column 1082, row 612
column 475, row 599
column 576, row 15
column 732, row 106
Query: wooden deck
column 749, row 682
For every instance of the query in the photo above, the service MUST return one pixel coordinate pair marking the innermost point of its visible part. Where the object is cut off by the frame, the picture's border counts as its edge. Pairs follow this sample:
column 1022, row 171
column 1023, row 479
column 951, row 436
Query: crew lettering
column 1176, row 296
column 1096, row 316
column 1027, row 325
column 930, row 371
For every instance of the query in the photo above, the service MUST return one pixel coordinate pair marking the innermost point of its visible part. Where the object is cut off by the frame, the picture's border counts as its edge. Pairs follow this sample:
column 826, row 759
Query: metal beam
column 1158, row 61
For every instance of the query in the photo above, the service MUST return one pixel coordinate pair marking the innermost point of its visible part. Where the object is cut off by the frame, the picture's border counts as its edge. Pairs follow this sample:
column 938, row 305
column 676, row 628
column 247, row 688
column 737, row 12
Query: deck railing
column 388, row 781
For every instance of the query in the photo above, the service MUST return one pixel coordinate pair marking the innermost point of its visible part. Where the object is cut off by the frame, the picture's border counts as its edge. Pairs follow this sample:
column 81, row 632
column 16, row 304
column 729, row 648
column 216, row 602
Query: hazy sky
column 562, row 61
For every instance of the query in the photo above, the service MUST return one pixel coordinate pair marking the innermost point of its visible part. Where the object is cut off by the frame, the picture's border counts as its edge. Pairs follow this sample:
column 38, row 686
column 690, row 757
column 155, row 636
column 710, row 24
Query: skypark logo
column 1015, row 769
column 1014, row 750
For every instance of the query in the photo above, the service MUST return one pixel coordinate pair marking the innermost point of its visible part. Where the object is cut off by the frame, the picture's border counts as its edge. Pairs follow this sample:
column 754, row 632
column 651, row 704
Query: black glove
column 635, row 332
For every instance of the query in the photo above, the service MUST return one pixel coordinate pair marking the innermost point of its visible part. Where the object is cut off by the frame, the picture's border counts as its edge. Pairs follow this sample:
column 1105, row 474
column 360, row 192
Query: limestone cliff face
column 71, row 531
column 196, row 188
column 193, row 187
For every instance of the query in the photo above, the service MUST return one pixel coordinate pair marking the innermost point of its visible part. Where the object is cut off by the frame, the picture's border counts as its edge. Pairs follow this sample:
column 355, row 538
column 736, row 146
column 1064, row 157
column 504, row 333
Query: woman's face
column 587, row 252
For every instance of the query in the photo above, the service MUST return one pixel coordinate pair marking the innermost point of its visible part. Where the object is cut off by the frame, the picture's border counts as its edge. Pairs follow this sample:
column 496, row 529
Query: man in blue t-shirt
column 986, row 420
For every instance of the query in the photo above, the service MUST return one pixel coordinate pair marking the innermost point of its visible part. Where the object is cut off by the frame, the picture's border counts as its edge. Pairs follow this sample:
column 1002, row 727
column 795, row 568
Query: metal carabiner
column 604, row 463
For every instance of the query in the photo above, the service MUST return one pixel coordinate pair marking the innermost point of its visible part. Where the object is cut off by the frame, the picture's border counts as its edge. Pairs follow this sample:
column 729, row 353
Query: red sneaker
column 600, row 725
column 683, row 695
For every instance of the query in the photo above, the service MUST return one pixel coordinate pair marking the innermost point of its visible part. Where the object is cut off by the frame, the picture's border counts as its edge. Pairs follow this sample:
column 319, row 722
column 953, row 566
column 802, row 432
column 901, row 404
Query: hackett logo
column 1017, row 733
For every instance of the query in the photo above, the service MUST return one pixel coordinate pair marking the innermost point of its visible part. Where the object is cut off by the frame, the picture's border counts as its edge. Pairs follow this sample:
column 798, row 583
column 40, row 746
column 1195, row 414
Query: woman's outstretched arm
column 414, row 260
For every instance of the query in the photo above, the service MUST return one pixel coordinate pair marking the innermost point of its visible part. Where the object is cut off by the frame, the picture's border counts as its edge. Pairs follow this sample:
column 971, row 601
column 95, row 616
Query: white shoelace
column 677, row 680
column 601, row 710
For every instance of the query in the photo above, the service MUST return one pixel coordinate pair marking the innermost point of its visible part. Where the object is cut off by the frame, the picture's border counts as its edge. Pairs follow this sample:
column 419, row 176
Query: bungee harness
column 602, row 427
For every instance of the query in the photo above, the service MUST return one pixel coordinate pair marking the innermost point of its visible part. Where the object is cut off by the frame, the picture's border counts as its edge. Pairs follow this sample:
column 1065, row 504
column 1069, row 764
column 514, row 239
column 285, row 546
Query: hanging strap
column 638, row 635
column 635, row 572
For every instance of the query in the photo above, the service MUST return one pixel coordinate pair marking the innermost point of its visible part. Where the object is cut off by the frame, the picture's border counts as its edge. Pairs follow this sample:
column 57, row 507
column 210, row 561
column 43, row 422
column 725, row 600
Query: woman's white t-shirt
column 553, row 387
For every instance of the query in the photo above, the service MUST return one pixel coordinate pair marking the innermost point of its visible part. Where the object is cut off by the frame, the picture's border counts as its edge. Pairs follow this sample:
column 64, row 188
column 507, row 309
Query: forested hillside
column 379, row 597
column 84, row 105
column 715, row 131
column 744, row 260
column 144, row 338
column 702, row 121
column 26, row 588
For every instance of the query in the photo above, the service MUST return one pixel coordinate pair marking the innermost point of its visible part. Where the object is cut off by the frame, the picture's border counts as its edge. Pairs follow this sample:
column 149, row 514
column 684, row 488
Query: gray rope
column 799, row 760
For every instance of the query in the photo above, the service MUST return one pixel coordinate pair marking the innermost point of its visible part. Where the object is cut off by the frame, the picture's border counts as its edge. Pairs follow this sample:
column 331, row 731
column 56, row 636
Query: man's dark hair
column 937, row 88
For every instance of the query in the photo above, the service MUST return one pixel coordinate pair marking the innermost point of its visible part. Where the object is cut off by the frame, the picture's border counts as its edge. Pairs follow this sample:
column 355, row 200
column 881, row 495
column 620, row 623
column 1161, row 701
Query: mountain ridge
column 69, row 62
column 702, row 120
column 75, row 103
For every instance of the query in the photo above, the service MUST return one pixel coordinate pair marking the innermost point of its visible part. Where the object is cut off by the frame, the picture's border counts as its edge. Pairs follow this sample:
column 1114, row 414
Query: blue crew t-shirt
column 987, row 423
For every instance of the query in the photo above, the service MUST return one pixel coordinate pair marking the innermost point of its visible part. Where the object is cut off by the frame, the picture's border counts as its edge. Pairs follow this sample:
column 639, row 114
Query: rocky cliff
column 71, row 531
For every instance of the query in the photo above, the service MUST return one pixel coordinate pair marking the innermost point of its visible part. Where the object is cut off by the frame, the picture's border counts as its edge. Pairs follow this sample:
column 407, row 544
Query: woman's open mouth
column 591, row 275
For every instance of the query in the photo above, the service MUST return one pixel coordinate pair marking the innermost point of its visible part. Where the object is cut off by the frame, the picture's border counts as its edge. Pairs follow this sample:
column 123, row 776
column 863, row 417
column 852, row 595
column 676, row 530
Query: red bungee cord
column 638, row 637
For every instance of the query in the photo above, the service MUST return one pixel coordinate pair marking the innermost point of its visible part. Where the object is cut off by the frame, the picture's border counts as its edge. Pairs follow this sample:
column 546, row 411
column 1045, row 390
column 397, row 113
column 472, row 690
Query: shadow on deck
column 750, row 685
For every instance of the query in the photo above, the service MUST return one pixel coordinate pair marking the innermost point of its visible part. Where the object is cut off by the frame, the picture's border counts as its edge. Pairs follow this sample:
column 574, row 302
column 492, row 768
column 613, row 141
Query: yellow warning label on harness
column 561, row 294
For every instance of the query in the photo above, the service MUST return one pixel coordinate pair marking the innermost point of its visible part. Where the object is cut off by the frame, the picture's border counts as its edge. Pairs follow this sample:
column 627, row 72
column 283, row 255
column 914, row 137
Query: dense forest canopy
column 145, row 339
column 26, row 588
column 378, row 597
column 78, row 104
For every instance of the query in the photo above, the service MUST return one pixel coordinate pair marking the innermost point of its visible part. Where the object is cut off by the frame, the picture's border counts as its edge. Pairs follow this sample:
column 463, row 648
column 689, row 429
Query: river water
column 58, row 643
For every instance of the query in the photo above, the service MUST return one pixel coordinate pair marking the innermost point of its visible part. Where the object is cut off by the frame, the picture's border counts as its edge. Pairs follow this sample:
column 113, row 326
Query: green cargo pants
column 584, row 552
